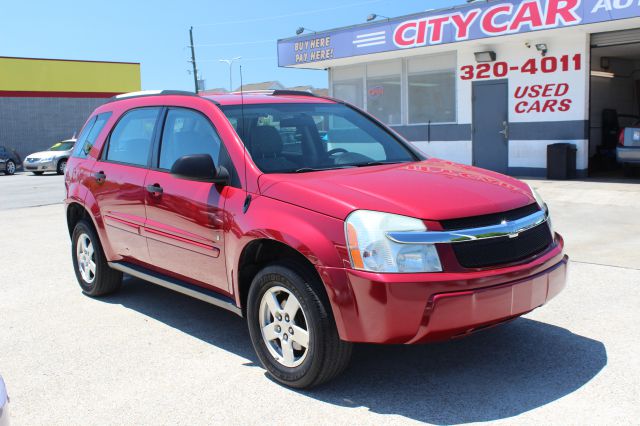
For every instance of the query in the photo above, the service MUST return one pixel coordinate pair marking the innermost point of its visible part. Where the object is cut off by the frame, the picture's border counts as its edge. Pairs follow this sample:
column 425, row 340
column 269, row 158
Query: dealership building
column 43, row 101
column 491, row 83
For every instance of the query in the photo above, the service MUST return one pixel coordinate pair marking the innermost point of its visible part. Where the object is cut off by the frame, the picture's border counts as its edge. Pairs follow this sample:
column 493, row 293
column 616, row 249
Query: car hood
column 430, row 190
column 43, row 154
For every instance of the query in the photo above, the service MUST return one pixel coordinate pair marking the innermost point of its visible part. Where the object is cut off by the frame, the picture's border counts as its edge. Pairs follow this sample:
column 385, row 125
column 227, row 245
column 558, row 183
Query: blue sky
column 155, row 33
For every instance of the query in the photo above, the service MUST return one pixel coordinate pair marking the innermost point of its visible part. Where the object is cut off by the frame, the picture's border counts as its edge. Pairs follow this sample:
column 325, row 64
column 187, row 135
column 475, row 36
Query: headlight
column 371, row 250
column 543, row 206
column 539, row 199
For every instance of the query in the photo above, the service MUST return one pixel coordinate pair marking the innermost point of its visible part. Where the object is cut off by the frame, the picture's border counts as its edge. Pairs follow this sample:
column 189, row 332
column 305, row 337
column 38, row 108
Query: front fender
column 319, row 238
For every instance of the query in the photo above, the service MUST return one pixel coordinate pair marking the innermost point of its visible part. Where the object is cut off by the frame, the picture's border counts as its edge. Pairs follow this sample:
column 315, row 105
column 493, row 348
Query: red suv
column 307, row 216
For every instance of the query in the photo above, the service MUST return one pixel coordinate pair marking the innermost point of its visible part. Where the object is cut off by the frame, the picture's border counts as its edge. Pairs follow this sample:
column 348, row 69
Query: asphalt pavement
column 28, row 190
column 150, row 356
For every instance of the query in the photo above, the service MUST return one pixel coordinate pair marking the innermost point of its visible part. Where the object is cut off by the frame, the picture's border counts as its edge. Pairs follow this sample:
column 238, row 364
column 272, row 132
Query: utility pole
column 193, row 61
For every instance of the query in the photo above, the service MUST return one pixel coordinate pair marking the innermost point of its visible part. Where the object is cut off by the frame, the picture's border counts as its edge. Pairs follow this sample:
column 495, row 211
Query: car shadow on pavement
column 496, row 374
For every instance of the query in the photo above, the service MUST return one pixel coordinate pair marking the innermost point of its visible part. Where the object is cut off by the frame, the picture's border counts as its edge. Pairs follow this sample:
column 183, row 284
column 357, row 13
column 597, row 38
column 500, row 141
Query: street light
column 374, row 16
column 300, row 30
column 230, row 63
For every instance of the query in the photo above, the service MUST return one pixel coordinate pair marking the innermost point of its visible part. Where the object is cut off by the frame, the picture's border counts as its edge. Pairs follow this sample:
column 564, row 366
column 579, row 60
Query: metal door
column 491, row 125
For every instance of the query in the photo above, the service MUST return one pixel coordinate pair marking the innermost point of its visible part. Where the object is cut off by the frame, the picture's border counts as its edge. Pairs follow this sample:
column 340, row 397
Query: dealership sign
column 440, row 27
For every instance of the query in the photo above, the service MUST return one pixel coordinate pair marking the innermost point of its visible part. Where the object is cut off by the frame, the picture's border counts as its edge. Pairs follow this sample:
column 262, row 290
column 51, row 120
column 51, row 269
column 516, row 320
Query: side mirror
column 199, row 167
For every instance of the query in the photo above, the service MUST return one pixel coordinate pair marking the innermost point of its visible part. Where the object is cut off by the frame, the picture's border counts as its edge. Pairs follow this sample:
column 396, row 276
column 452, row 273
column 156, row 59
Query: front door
column 491, row 125
column 185, row 218
column 118, row 179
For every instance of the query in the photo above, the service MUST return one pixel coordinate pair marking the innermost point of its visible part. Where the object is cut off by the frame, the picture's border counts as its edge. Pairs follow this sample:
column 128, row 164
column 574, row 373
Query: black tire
column 105, row 280
column 627, row 170
column 37, row 173
column 10, row 168
column 327, row 355
column 62, row 165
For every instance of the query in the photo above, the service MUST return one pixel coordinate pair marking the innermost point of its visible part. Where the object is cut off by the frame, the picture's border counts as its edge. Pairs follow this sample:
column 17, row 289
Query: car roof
column 235, row 98
column 251, row 98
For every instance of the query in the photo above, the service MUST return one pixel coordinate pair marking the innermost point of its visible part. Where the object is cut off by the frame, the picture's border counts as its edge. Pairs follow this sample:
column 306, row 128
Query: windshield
column 62, row 146
column 290, row 138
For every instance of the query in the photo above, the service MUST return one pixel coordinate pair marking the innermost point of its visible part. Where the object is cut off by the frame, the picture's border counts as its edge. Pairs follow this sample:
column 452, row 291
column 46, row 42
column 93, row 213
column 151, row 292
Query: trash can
column 561, row 161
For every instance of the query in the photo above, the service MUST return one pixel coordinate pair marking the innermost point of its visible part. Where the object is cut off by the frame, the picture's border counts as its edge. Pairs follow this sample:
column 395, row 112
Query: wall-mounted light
column 300, row 30
column 374, row 16
column 603, row 74
column 542, row 48
column 488, row 56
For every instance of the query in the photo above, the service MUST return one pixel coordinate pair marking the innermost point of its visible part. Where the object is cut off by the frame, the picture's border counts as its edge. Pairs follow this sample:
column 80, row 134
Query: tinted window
column 131, row 139
column 187, row 132
column 83, row 137
column 89, row 135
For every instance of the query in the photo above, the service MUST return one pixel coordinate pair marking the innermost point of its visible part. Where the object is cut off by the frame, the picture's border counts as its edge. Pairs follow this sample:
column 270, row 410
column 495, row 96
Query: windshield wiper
column 378, row 163
column 311, row 169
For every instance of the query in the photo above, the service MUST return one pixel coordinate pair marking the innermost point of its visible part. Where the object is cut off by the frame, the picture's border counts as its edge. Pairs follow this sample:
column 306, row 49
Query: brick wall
column 33, row 124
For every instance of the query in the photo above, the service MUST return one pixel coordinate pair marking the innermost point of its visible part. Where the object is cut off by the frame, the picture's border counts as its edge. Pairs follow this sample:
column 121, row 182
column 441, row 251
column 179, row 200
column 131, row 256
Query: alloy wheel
column 284, row 326
column 86, row 259
column 11, row 167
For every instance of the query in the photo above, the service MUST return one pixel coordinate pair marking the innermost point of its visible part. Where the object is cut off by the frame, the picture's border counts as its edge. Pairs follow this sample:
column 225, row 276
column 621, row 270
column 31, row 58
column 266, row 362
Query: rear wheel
column 292, row 327
column 93, row 273
column 10, row 168
column 62, row 166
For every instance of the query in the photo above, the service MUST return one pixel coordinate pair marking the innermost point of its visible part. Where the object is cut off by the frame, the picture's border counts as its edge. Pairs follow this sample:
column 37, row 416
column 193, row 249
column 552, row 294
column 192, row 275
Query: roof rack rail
column 285, row 92
column 146, row 93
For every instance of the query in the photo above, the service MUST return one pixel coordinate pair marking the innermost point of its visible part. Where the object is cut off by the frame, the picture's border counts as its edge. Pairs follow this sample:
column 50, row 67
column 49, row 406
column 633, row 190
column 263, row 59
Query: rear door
column 119, row 177
column 185, row 219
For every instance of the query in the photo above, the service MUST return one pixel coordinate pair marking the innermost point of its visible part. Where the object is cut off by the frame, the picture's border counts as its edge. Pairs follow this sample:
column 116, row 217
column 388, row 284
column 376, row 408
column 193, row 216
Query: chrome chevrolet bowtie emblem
column 513, row 231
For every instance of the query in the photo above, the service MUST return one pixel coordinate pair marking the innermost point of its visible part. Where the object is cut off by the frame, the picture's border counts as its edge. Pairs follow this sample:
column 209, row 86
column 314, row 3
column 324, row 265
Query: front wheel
column 62, row 166
column 10, row 168
column 292, row 327
column 93, row 273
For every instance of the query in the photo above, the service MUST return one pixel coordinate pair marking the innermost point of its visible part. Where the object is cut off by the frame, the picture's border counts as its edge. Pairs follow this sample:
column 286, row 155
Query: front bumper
column 628, row 154
column 417, row 308
column 48, row 166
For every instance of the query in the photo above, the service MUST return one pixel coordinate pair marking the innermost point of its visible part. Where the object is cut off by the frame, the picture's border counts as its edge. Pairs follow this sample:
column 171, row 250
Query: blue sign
column 471, row 22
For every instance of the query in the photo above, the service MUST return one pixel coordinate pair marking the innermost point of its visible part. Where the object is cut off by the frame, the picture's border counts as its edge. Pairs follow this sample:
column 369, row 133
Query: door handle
column 100, row 176
column 505, row 132
column 155, row 190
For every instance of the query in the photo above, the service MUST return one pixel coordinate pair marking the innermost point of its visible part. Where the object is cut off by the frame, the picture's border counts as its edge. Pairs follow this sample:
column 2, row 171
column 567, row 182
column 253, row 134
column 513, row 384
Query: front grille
column 503, row 250
column 31, row 160
column 488, row 219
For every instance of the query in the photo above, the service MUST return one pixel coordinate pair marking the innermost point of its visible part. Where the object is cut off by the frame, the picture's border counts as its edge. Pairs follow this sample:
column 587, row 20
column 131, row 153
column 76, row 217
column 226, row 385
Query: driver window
column 187, row 132
column 340, row 133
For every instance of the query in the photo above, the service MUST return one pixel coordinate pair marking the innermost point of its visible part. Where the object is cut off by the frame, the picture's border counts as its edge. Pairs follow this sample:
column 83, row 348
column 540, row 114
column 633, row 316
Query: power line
column 239, row 43
column 289, row 15
column 263, row 58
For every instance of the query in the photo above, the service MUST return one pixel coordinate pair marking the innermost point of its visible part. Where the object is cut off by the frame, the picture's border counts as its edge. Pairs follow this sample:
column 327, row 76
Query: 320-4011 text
column 546, row 65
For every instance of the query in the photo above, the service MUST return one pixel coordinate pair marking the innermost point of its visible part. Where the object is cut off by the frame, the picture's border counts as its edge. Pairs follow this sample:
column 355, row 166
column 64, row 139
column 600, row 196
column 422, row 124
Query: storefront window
column 348, row 84
column 384, row 93
column 432, row 89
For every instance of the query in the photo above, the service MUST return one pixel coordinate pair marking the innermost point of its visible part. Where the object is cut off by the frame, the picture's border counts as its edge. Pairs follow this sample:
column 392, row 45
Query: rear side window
column 187, row 132
column 89, row 135
column 132, row 138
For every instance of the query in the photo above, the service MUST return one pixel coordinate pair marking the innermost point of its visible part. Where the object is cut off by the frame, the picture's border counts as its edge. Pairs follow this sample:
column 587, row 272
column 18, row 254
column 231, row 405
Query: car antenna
column 247, row 200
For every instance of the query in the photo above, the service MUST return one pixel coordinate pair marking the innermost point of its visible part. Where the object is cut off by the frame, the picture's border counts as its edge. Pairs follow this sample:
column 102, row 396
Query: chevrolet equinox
column 308, row 217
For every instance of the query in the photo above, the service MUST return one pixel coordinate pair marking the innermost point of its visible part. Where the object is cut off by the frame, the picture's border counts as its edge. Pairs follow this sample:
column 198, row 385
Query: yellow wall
column 17, row 74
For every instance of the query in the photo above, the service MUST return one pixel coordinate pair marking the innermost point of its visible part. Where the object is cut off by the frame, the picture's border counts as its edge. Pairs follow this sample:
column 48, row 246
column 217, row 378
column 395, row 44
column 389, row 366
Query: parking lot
column 150, row 356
